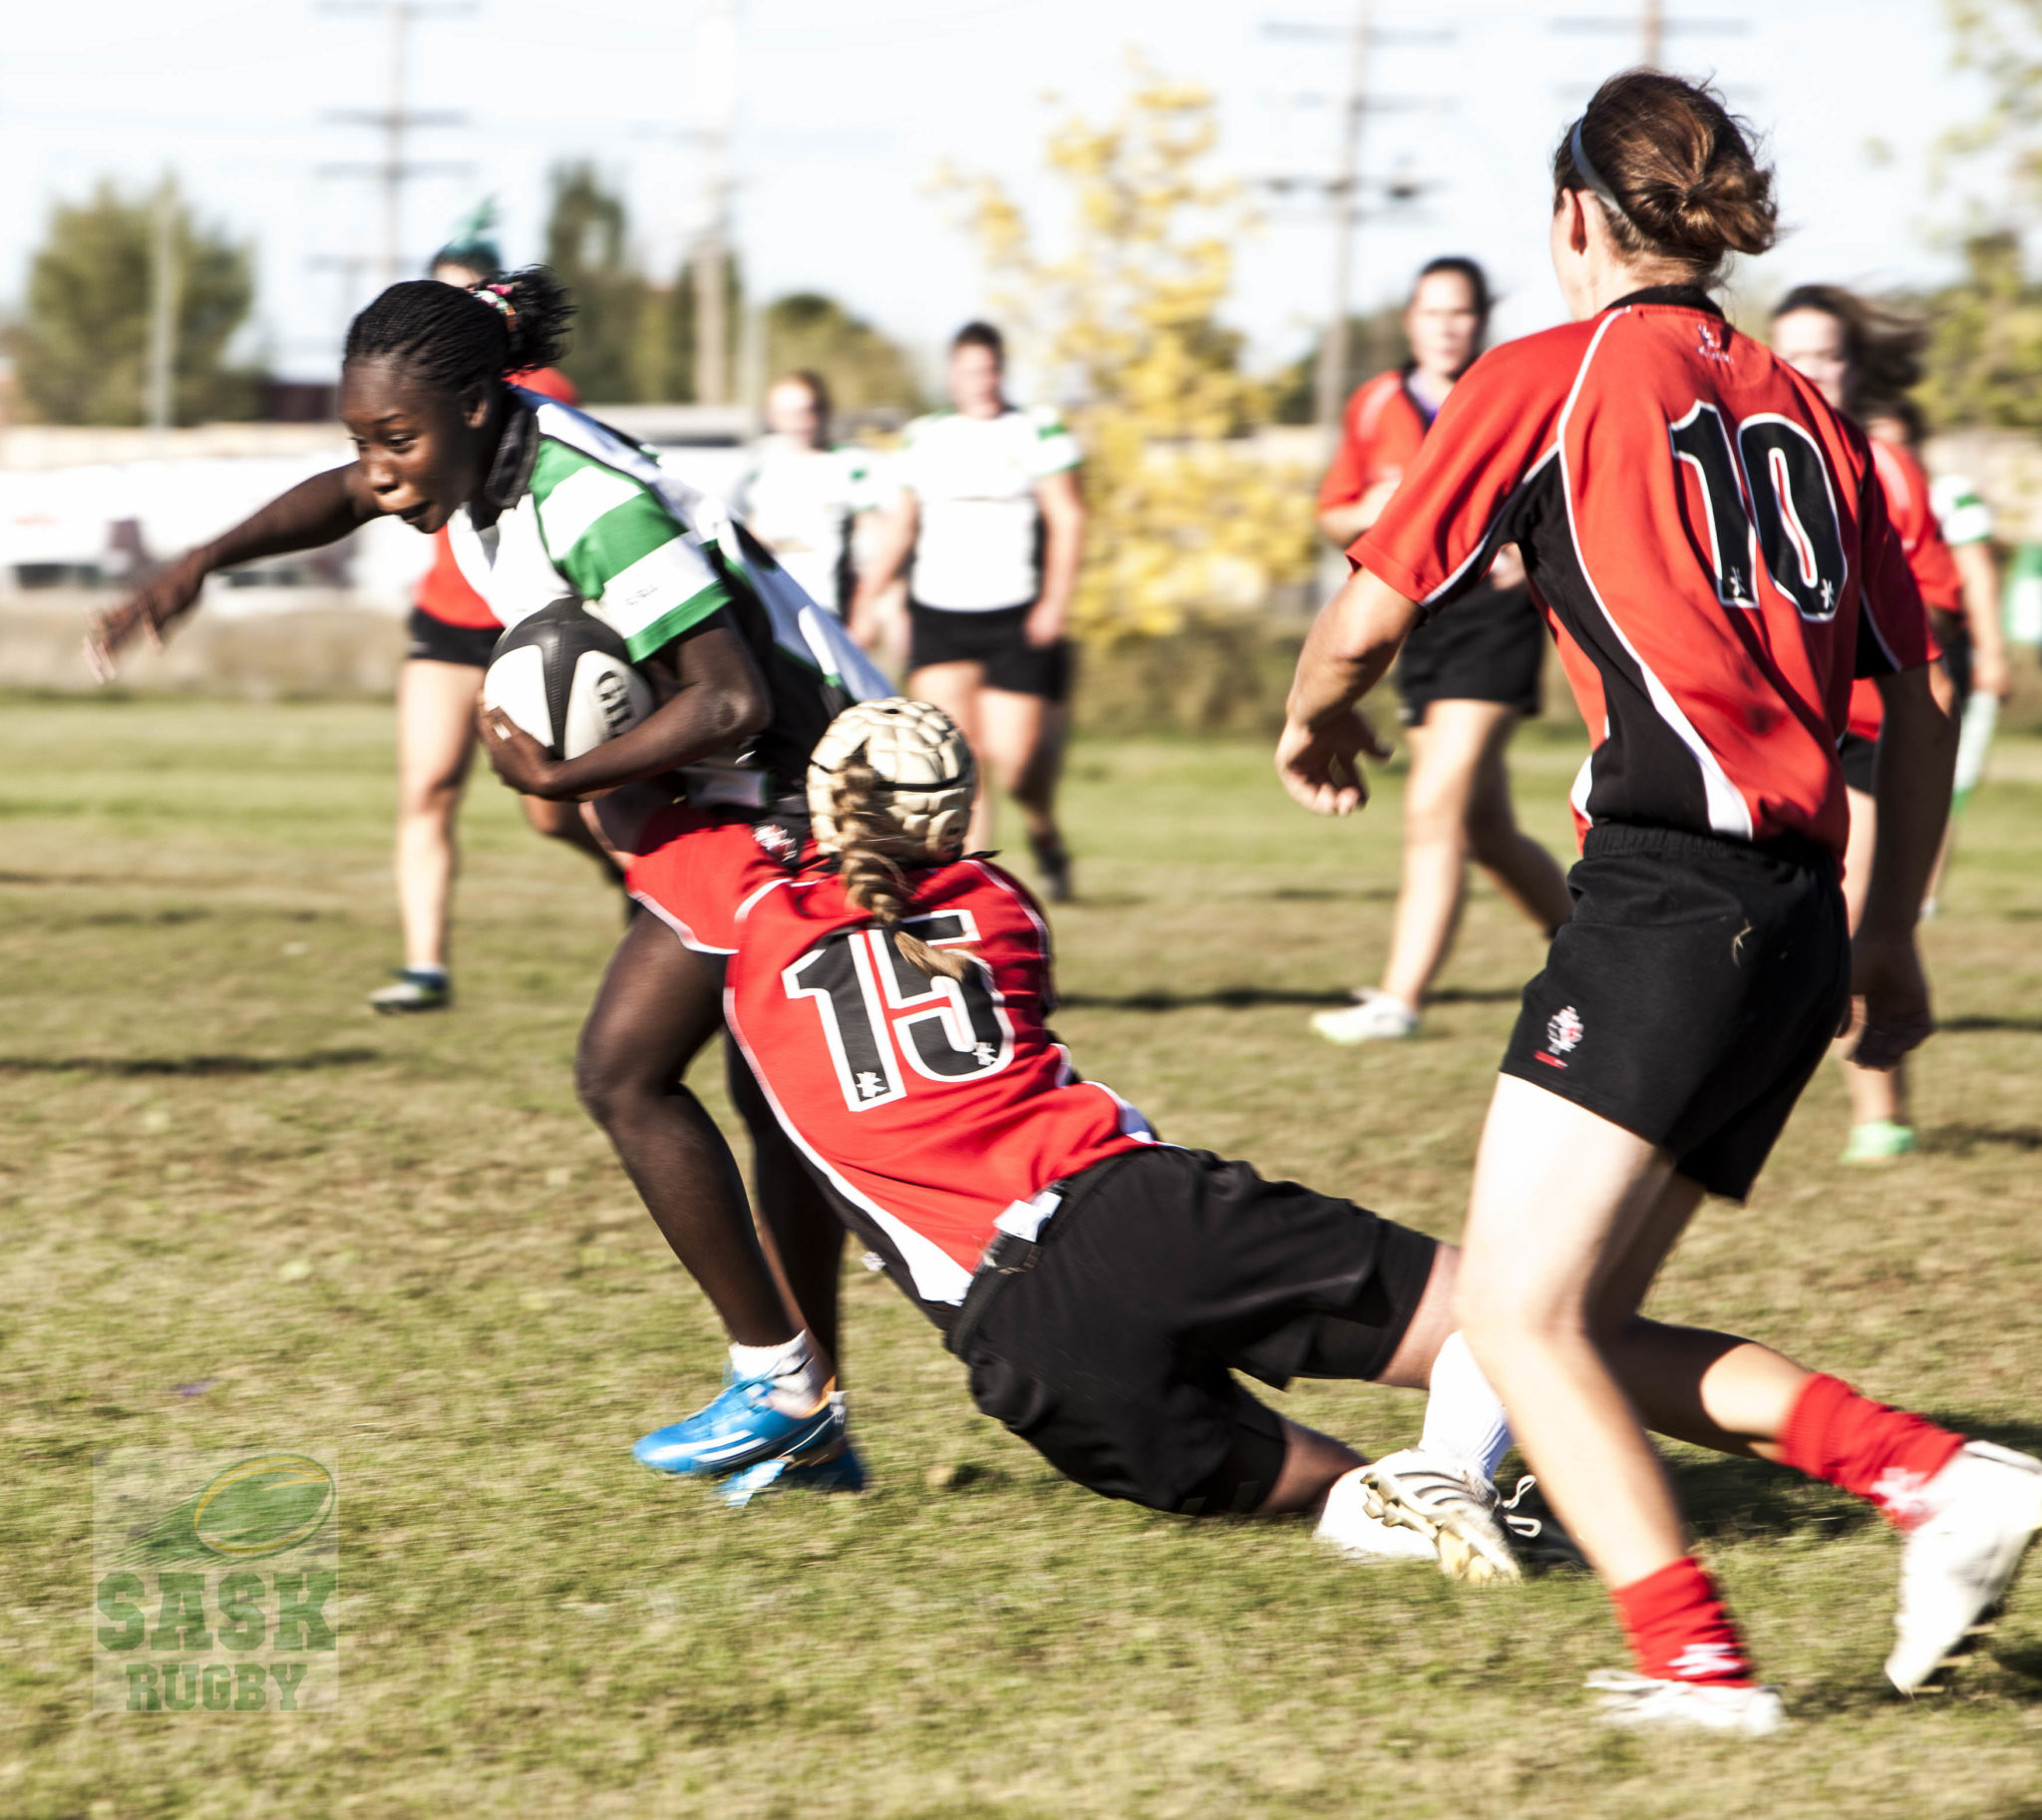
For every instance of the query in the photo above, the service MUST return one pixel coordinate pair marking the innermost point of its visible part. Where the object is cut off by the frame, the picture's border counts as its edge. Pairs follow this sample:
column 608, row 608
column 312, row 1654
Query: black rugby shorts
column 1693, row 994
column 997, row 642
column 433, row 640
column 1488, row 646
column 1164, row 1271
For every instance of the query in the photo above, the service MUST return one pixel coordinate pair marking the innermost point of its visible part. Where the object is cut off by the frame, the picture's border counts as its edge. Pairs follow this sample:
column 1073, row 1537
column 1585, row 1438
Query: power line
column 395, row 122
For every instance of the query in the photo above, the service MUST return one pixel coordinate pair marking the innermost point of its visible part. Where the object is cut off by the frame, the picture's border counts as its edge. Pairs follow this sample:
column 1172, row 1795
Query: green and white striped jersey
column 583, row 511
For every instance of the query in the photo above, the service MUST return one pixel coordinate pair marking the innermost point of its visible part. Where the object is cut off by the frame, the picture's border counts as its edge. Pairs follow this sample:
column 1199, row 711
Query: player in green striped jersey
column 539, row 502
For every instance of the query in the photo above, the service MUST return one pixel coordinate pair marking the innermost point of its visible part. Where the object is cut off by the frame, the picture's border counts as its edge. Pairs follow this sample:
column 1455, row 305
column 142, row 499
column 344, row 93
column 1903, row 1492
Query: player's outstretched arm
column 718, row 701
column 1917, row 750
column 317, row 512
column 1351, row 646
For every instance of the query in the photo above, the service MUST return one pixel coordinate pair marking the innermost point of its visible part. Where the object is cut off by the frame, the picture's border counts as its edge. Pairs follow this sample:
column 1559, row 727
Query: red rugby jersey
column 444, row 592
column 1929, row 559
column 931, row 1105
column 1707, row 536
column 1380, row 431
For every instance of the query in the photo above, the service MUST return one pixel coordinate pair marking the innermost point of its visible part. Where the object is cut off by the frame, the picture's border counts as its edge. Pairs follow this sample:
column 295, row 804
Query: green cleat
column 1878, row 1142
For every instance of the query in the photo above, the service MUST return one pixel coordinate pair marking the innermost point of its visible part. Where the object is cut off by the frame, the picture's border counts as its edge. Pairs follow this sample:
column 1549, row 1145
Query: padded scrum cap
column 924, row 765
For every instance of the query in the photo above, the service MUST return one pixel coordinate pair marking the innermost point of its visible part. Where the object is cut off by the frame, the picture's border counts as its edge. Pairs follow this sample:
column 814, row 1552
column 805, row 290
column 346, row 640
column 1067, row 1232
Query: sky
column 844, row 114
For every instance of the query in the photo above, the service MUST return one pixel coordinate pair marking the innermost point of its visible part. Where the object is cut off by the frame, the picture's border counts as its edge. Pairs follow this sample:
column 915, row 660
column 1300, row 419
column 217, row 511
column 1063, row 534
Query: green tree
column 588, row 244
column 82, row 346
column 1984, row 354
column 1375, row 344
column 865, row 369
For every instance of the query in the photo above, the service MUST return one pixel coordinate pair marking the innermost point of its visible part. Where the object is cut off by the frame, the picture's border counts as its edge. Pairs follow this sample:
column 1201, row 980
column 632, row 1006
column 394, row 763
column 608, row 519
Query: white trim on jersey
column 1729, row 813
column 688, row 937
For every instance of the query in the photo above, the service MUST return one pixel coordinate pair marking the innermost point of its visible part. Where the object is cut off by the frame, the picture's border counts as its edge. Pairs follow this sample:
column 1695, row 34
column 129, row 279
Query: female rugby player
column 542, row 502
column 1858, row 357
column 1465, row 681
column 1710, row 540
column 892, row 997
column 802, row 495
column 990, row 515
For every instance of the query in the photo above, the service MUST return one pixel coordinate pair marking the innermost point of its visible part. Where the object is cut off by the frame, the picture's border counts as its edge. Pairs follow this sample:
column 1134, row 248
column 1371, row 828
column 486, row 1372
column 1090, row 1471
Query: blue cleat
column 741, row 1428
column 842, row 1471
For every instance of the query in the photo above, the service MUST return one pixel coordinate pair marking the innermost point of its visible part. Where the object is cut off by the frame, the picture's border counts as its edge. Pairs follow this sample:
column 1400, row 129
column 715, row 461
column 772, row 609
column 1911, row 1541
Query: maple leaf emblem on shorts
column 777, row 842
column 1564, row 1029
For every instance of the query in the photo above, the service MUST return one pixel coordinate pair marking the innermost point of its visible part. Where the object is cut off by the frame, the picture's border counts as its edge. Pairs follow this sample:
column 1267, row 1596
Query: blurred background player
column 1863, row 359
column 802, row 495
column 1464, row 679
column 1974, row 645
column 1681, row 497
column 453, row 633
column 989, row 522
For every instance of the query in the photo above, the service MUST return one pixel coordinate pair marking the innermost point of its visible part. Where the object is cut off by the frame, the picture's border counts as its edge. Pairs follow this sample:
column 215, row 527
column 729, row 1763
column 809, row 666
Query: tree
column 588, row 244
column 1984, row 354
column 1375, row 344
column 864, row 368
column 1183, row 519
column 82, row 347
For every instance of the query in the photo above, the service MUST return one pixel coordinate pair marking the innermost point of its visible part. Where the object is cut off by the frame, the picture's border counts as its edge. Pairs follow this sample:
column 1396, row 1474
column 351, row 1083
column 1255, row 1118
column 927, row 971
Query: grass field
column 239, row 1210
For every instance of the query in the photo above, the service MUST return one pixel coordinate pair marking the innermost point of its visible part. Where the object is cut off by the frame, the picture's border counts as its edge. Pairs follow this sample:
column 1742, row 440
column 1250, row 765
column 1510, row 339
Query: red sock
column 1679, row 1630
column 1885, row 1456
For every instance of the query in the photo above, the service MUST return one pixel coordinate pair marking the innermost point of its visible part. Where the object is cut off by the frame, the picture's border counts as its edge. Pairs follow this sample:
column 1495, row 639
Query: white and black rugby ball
column 567, row 678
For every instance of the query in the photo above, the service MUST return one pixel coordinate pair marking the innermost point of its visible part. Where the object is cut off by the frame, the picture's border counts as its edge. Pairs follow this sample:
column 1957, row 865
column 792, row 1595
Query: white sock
column 1464, row 1417
column 796, row 1372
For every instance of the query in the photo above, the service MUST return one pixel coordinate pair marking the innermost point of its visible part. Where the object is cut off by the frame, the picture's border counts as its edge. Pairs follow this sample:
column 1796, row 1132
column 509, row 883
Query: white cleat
column 1452, row 1505
column 1640, row 1699
column 1375, row 1017
column 1357, row 1523
column 1987, row 1505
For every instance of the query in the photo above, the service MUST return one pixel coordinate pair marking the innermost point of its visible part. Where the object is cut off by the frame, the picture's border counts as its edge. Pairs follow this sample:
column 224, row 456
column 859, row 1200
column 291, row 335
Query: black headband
column 1585, row 169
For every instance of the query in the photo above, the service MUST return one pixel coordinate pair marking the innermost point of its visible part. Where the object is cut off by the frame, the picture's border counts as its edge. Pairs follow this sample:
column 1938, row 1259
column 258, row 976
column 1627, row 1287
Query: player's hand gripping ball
column 911, row 771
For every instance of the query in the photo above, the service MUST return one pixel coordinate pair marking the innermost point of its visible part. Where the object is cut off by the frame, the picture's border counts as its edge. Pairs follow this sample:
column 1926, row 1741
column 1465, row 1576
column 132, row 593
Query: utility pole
column 1652, row 27
column 1329, row 381
column 1343, row 191
column 716, row 88
column 163, row 307
column 395, row 122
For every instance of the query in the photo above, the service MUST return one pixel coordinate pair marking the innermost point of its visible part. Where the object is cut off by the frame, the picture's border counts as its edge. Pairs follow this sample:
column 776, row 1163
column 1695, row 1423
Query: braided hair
column 462, row 342
column 872, row 856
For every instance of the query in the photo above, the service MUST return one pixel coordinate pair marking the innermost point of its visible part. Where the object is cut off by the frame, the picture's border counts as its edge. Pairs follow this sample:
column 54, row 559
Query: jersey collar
column 1672, row 296
column 510, row 473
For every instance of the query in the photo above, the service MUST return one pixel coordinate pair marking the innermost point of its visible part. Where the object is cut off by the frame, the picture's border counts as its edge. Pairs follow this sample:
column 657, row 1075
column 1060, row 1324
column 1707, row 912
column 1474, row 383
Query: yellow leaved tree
column 1188, row 517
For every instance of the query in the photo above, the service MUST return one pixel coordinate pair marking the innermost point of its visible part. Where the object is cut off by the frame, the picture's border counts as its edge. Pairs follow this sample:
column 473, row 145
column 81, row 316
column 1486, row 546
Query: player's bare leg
column 1518, row 866
column 1024, row 749
column 958, row 689
column 435, row 742
column 660, row 1002
column 1880, row 1129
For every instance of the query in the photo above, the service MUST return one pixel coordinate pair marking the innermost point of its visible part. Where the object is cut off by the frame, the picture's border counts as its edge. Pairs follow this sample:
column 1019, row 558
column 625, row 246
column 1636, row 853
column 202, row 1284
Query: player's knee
column 605, row 1082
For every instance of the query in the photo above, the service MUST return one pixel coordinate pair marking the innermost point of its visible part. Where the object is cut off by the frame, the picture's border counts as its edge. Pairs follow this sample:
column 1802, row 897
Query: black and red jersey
column 1708, row 538
column 1380, row 431
column 1929, row 559
column 931, row 1105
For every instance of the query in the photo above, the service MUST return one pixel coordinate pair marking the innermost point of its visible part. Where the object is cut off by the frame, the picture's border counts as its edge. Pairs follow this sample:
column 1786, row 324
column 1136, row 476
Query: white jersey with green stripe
column 586, row 513
column 978, row 544
column 1960, row 510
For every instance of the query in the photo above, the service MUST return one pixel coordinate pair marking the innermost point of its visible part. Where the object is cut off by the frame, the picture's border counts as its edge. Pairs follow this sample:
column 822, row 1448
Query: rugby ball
column 567, row 679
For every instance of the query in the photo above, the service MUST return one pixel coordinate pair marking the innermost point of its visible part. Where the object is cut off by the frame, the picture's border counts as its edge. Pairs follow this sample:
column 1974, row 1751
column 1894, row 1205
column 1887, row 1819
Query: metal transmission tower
column 395, row 122
column 1342, row 192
